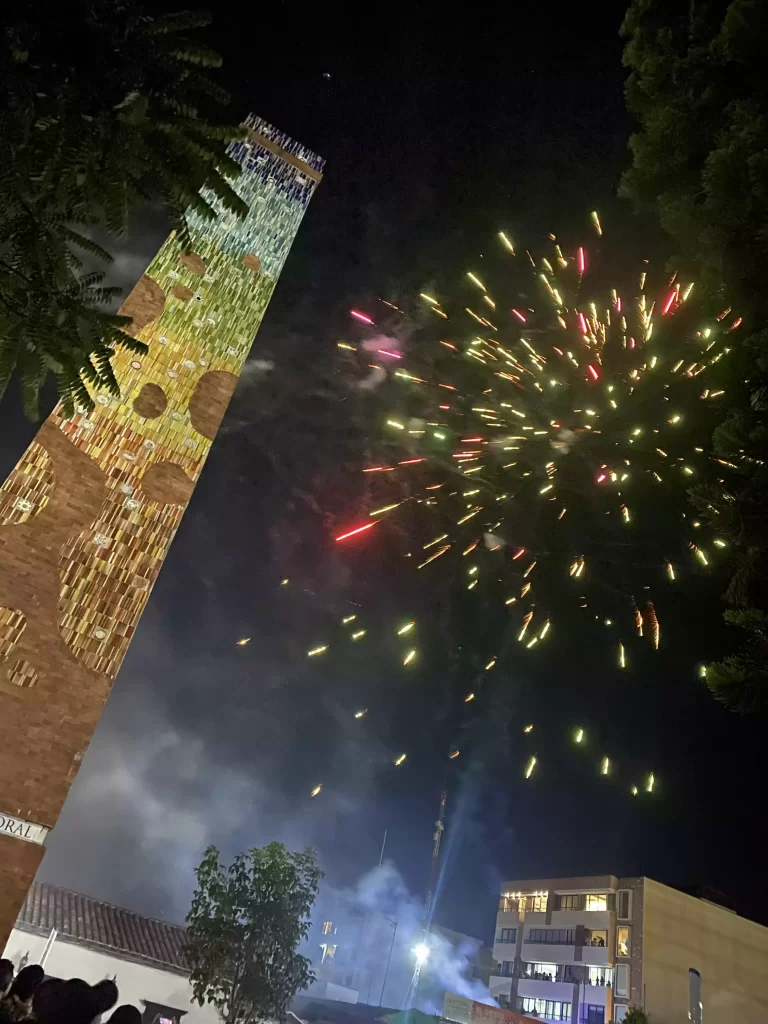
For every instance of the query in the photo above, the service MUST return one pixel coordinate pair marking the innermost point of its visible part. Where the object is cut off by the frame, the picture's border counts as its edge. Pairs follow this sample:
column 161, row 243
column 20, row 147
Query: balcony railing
column 565, row 972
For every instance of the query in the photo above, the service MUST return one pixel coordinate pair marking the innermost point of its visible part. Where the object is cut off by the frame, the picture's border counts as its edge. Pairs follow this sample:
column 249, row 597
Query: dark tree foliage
column 636, row 1015
column 101, row 104
column 698, row 88
column 244, row 927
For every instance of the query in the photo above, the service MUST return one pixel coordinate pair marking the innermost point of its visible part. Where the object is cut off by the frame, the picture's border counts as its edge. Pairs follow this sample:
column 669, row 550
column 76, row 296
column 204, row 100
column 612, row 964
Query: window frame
column 576, row 899
column 535, row 967
column 548, row 933
column 603, row 896
column 597, row 1007
column 508, row 931
column 626, row 971
column 607, row 975
column 563, row 1012
column 628, row 929
column 628, row 915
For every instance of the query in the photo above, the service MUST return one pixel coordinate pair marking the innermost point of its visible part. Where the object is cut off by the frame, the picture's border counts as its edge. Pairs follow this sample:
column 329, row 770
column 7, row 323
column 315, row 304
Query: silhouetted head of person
column 73, row 1001
column 125, row 1014
column 6, row 975
column 26, row 982
column 46, row 998
column 104, row 995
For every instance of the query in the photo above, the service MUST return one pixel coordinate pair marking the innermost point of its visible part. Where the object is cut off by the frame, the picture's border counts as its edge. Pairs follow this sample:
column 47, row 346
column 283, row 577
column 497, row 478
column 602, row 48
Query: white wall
column 500, row 986
column 134, row 981
column 730, row 952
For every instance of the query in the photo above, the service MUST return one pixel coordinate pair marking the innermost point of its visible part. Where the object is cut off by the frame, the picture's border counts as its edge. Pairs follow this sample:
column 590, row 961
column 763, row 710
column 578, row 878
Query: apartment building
column 582, row 950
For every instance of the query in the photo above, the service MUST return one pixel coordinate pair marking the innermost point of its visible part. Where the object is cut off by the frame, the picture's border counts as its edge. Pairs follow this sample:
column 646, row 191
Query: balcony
column 541, row 952
column 596, row 956
column 594, row 995
column 500, row 986
column 569, row 952
column 590, row 920
column 560, row 990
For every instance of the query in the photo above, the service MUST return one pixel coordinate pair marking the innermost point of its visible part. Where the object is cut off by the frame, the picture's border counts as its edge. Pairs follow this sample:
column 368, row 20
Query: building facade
column 88, row 514
column 367, row 957
column 584, row 949
column 75, row 936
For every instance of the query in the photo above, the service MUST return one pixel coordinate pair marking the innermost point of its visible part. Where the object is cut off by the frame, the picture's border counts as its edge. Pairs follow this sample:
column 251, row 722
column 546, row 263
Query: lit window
column 329, row 952
column 597, row 937
column 622, row 941
column 536, row 904
column 621, row 987
column 327, row 926
column 599, row 976
column 596, row 902
column 541, row 972
column 553, row 1009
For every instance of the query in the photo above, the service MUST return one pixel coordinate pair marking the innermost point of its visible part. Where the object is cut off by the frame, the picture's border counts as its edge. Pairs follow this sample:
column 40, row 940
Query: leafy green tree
column 103, row 105
column 244, row 927
column 636, row 1015
column 740, row 681
column 700, row 162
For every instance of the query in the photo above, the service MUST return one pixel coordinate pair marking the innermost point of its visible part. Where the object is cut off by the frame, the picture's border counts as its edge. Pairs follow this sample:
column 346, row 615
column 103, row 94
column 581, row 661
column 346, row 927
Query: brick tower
column 89, row 513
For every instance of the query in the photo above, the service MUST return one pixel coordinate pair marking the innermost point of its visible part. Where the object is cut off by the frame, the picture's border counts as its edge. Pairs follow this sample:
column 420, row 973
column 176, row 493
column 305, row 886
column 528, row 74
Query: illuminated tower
column 89, row 513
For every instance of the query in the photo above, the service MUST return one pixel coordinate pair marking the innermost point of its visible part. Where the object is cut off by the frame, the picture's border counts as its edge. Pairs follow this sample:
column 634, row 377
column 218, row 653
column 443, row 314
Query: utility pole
column 437, row 838
column 421, row 951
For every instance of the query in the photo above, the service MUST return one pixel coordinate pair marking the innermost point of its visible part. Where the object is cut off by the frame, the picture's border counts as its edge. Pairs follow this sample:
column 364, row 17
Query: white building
column 96, row 940
column 583, row 949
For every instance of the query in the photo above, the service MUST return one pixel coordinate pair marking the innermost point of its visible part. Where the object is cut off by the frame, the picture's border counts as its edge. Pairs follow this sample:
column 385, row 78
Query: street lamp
column 421, row 952
column 389, row 959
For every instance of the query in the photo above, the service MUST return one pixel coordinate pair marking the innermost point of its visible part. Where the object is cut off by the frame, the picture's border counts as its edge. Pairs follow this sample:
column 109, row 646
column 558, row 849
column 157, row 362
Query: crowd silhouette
column 30, row 996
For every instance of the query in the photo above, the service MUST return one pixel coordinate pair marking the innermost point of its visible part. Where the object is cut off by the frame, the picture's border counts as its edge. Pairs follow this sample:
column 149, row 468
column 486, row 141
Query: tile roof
column 103, row 927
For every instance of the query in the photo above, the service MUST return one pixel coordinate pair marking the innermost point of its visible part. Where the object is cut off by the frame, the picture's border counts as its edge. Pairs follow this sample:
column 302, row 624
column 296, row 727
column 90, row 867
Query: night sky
column 435, row 135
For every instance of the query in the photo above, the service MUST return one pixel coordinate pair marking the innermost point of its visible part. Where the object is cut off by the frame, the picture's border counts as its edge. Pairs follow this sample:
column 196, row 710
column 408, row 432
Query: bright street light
column 421, row 952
